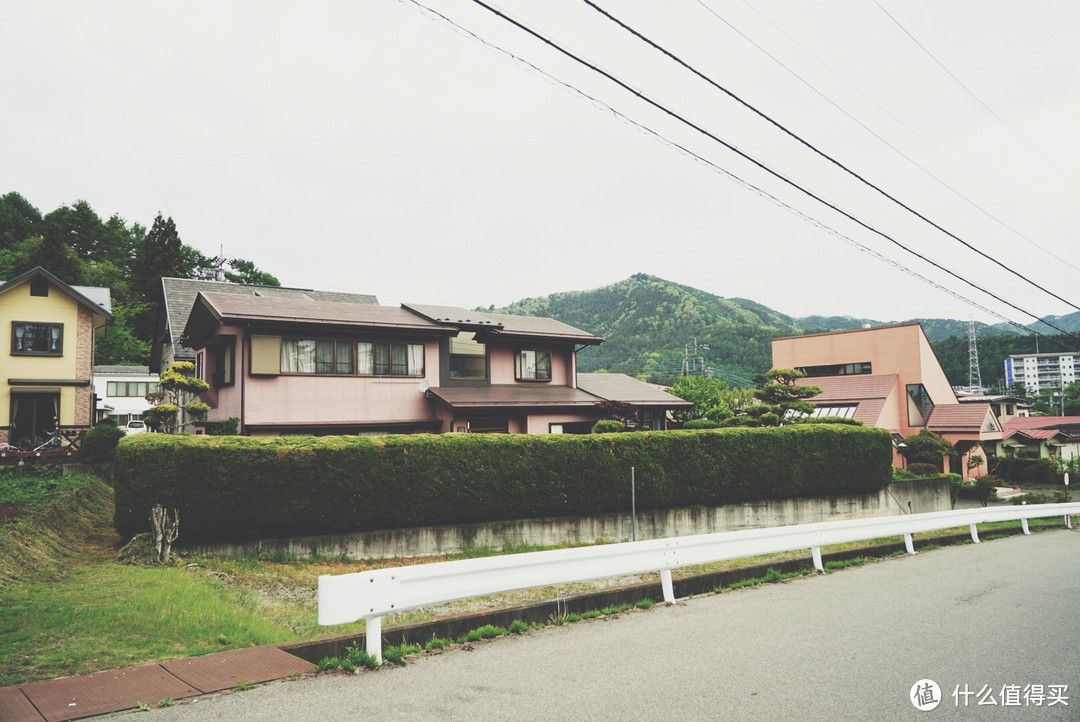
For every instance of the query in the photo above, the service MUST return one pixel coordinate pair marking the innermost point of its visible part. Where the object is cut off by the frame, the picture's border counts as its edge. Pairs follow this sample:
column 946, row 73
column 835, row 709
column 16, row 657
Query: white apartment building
column 121, row 391
column 1040, row 371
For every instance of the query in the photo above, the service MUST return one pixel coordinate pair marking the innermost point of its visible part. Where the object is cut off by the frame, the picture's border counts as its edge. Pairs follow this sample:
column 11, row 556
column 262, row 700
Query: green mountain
column 652, row 328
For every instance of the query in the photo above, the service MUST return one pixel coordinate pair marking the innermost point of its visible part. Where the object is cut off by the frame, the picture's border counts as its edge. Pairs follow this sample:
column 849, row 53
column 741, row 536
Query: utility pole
column 692, row 362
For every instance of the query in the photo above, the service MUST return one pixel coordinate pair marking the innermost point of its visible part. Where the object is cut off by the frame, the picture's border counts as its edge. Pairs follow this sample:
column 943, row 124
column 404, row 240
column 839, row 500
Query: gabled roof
column 178, row 298
column 210, row 309
column 499, row 325
column 97, row 299
column 620, row 387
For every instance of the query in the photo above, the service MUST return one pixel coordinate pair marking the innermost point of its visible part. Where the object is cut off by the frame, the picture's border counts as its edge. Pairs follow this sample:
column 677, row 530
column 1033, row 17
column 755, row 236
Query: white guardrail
column 371, row 595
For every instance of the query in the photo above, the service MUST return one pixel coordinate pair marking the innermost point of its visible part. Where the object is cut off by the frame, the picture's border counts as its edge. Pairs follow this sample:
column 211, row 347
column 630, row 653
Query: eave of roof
column 178, row 298
column 295, row 312
column 504, row 326
column 516, row 396
column 620, row 387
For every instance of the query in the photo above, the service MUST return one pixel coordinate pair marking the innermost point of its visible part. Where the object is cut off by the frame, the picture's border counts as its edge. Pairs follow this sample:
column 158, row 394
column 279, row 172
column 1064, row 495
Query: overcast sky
column 370, row 146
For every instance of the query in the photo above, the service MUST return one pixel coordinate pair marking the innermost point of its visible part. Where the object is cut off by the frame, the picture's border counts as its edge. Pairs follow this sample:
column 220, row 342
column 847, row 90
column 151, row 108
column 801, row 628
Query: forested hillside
column 651, row 326
column 78, row 247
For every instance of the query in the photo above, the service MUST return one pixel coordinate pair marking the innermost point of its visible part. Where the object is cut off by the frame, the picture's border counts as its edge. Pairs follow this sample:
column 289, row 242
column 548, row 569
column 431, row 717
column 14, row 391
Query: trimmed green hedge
column 1026, row 471
column 236, row 488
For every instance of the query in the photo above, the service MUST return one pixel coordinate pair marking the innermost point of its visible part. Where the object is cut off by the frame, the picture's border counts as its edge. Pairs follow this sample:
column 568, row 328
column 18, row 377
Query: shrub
column 607, row 426
column 1019, row 472
column 922, row 469
column 228, row 427
column 984, row 489
column 240, row 487
column 926, row 447
column 100, row 442
column 1033, row 499
column 701, row 424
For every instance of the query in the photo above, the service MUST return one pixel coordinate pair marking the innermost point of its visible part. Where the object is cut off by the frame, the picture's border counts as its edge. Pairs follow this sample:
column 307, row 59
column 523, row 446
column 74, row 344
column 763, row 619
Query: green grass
column 771, row 577
column 398, row 653
column 106, row 615
column 33, row 487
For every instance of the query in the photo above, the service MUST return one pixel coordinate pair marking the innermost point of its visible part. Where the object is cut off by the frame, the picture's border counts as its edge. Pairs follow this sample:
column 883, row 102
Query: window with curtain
column 37, row 339
column 533, row 365
column 385, row 358
column 316, row 356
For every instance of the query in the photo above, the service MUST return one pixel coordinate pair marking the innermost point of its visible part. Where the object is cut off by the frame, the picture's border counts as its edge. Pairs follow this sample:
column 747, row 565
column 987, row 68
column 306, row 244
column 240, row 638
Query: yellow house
column 47, row 331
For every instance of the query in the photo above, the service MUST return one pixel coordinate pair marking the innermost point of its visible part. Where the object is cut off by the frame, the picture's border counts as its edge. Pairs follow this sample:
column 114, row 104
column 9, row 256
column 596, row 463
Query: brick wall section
column 84, row 367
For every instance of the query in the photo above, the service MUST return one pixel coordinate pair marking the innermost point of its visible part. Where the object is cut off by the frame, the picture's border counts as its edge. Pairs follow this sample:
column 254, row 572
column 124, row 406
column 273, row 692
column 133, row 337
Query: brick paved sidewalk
column 115, row 690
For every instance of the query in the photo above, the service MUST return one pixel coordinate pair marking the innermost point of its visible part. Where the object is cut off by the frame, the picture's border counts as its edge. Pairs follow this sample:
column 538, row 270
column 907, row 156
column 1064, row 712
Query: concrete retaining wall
column 924, row 495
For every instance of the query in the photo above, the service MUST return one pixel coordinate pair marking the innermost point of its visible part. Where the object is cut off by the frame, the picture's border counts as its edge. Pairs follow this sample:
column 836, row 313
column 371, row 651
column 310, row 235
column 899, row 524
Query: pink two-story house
column 301, row 366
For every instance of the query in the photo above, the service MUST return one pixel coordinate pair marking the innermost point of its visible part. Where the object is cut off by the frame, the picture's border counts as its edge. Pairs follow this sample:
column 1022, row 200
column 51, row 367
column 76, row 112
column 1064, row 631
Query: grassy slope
column 69, row 608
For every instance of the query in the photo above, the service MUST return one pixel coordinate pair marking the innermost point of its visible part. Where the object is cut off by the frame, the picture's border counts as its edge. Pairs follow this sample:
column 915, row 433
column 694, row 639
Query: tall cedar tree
column 161, row 254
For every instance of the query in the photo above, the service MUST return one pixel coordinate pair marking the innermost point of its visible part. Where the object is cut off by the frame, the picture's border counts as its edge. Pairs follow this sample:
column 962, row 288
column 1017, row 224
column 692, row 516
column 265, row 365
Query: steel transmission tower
column 974, row 377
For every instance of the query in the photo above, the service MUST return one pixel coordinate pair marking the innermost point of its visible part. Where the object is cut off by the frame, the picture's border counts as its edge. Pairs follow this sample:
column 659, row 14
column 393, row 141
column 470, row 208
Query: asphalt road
column 993, row 619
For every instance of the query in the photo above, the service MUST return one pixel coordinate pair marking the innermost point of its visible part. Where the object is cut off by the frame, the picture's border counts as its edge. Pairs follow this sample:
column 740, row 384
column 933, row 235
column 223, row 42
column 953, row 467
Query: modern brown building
column 889, row 377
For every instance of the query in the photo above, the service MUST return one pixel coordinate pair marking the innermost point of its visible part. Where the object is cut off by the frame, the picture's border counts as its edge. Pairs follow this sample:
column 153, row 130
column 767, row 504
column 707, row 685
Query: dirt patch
column 11, row 511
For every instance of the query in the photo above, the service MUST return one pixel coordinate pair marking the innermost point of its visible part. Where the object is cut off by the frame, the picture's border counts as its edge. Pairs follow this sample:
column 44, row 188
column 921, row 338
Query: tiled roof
column 1043, row 427
column 1034, row 433
column 850, row 388
column 620, row 387
column 513, row 396
column 503, row 323
column 228, row 306
column 1040, row 422
column 867, row 391
column 180, row 296
column 959, row 417
column 106, row 370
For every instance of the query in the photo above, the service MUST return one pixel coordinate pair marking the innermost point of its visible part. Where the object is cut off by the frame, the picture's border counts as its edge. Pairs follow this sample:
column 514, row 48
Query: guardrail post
column 974, row 534
column 909, row 543
column 816, row 553
column 666, row 585
column 373, row 634
column 1023, row 523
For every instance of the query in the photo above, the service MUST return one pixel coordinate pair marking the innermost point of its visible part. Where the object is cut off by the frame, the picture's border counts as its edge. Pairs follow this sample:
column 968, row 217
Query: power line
column 726, row 173
column 759, row 164
column 120, row 106
column 970, row 92
column 899, row 121
column 815, row 149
